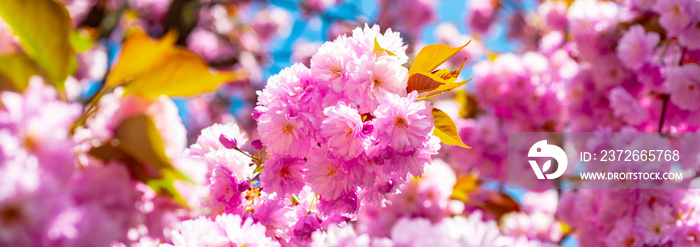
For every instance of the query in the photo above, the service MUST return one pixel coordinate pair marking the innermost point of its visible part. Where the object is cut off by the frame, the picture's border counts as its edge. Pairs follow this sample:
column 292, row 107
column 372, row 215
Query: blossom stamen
column 331, row 172
column 287, row 129
column 401, row 122
column 284, row 172
column 335, row 69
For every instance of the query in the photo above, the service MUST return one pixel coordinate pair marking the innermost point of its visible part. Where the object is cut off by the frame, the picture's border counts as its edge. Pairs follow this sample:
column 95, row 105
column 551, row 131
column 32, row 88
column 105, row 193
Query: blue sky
column 314, row 28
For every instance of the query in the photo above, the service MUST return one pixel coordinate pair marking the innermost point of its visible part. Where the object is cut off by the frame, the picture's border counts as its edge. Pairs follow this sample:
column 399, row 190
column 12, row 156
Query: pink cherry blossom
column 343, row 130
column 636, row 47
column 403, row 123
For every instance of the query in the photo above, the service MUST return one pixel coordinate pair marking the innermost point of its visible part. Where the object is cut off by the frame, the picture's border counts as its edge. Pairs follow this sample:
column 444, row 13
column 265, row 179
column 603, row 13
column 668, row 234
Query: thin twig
column 664, row 97
column 91, row 108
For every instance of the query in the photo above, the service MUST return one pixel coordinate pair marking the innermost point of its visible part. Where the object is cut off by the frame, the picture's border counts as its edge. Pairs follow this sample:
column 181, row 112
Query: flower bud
column 257, row 144
column 229, row 143
column 256, row 113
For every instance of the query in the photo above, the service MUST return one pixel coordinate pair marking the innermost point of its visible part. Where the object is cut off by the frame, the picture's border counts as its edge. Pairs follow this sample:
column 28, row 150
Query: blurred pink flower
column 554, row 13
column 683, row 83
column 272, row 22
column 456, row 231
column 209, row 45
column 626, row 107
column 244, row 232
column 677, row 15
column 41, row 122
column 636, row 47
column 337, row 236
column 302, row 51
column 318, row 6
column 536, row 225
column 481, row 14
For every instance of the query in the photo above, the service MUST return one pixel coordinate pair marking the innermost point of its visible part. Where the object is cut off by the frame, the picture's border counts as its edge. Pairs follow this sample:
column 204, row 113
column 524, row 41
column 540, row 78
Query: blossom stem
column 258, row 170
column 312, row 203
column 664, row 97
column 256, row 159
column 90, row 108
column 663, row 53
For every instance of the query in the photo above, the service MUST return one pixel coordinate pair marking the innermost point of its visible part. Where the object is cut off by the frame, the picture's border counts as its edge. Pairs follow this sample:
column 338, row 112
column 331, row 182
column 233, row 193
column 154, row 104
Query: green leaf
column 430, row 57
column 149, row 68
column 139, row 137
column 83, row 39
column 166, row 186
column 43, row 28
column 138, row 144
column 16, row 69
column 445, row 129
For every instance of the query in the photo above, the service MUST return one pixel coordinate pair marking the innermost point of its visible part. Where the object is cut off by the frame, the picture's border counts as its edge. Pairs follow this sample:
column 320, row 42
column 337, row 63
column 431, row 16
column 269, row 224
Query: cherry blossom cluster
column 591, row 66
column 346, row 126
column 336, row 152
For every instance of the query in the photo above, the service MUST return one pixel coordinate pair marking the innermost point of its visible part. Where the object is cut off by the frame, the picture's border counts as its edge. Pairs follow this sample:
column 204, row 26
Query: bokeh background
column 536, row 66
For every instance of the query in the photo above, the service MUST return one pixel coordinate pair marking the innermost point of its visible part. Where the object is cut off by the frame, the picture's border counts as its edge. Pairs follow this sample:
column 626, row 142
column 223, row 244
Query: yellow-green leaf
column 448, row 75
column 442, row 89
column 423, row 82
column 565, row 229
column 83, row 39
column 491, row 56
column 149, row 68
column 15, row 71
column 450, row 86
column 139, row 138
column 166, row 186
column 43, row 28
column 445, row 129
column 139, row 54
column 429, row 83
column 184, row 75
column 498, row 203
column 430, row 57
column 468, row 102
column 447, row 80
column 464, row 186
column 379, row 49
